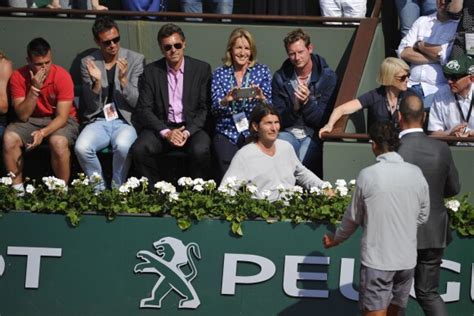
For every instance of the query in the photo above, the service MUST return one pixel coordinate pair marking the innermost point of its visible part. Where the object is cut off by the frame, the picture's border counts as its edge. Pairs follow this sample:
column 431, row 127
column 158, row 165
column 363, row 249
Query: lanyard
column 244, row 84
column 469, row 112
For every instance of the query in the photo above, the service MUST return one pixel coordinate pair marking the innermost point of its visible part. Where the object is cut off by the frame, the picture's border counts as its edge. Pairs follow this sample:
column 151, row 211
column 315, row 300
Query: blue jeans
column 97, row 136
column 308, row 151
column 220, row 6
column 410, row 10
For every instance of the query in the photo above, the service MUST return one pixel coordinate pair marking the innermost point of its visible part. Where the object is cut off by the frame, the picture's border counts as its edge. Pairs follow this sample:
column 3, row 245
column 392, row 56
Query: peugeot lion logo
column 170, row 258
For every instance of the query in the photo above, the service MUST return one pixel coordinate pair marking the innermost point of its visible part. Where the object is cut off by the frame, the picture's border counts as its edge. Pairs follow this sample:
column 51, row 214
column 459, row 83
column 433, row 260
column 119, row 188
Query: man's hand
column 122, row 71
column 459, row 130
column 177, row 137
column 37, row 80
column 328, row 241
column 302, row 93
column 94, row 72
column 38, row 137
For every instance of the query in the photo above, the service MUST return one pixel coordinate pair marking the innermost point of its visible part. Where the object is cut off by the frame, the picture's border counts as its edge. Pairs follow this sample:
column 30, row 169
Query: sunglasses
column 168, row 47
column 109, row 42
column 454, row 78
column 403, row 78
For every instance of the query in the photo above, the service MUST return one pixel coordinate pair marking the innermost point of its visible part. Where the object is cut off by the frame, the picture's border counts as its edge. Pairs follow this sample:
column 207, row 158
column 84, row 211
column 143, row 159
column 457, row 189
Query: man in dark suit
column 435, row 161
column 172, row 108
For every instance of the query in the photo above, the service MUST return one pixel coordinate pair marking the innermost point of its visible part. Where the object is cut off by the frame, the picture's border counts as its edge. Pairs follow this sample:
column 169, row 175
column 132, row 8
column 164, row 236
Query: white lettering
column 291, row 276
column 472, row 281
column 2, row 265
column 230, row 277
column 346, row 279
column 452, row 288
column 33, row 261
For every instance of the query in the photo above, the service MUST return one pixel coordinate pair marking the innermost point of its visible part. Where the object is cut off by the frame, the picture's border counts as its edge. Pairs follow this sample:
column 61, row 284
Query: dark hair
column 169, row 29
column 384, row 134
column 258, row 113
column 37, row 47
column 295, row 36
column 103, row 24
column 411, row 108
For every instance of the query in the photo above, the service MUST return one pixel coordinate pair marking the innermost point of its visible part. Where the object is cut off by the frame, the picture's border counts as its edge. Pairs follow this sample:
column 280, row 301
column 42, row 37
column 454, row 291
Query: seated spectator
column 230, row 109
column 278, row 7
column 268, row 162
column 427, row 47
column 172, row 108
column 6, row 70
column 344, row 8
column 451, row 113
column 144, row 6
column 464, row 41
column 383, row 102
column 196, row 6
column 110, row 90
column 410, row 10
column 302, row 91
column 42, row 95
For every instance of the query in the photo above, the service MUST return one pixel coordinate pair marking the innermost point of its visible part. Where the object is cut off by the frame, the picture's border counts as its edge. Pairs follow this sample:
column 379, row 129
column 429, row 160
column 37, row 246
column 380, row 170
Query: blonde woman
column 383, row 102
column 237, row 87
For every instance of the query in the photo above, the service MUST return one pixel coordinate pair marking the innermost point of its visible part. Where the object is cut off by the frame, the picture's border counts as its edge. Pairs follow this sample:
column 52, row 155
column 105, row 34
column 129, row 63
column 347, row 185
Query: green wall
column 70, row 37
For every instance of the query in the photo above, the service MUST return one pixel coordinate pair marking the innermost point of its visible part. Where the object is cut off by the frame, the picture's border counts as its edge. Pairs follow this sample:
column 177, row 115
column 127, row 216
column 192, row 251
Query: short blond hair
column 236, row 34
column 389, row 68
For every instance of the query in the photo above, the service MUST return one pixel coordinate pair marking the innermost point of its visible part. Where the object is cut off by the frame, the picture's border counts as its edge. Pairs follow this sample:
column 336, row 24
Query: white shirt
column 430, row 30
column 444, row 113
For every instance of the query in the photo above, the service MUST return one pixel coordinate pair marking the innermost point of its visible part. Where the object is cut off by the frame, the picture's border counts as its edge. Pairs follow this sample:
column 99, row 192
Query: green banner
column 140, row 265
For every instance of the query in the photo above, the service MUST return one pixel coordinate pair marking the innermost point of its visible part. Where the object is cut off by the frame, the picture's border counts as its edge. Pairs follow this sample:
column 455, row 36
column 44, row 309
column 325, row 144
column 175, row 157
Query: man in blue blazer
column 435, row 161
column 172, row 108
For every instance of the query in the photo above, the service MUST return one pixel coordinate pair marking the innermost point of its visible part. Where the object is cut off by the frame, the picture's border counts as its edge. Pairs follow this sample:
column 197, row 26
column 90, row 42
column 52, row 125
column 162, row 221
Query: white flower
column 341, row 183
column 144, row 180
column 280, row 188
column 352, row 182
column 165, row 187
column 266, row 194
column 210, row 185
column 198, row 181
column 53, row 183
column 95, row 177
column 326, row 185
column 30, row 189
column 6, row 180
column 133, row 182
column 342, row 191
column 453, row 205
column 316, row 190
column 173, row 197
column 252, row 188
column 185, row 181
column 124, row 189
column 226, row 190
column 198, row 188
column 297, row 189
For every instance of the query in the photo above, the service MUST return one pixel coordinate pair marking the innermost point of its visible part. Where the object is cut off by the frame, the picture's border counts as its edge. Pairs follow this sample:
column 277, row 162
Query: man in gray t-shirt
column 390, row 200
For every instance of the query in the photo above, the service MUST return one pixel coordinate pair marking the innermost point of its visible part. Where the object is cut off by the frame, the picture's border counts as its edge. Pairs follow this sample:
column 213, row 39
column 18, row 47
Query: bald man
column 435, row 161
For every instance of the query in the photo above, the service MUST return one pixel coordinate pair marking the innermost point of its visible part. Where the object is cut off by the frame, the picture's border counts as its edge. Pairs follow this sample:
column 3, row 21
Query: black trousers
column 427, row 271
column 225, row 150
column 149, row 146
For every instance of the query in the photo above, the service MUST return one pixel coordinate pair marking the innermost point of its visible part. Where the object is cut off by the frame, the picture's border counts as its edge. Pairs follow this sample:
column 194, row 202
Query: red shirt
column 58, row 86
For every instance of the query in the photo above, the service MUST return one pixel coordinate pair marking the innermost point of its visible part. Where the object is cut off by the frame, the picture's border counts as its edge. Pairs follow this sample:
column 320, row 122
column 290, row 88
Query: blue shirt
column 223, row 80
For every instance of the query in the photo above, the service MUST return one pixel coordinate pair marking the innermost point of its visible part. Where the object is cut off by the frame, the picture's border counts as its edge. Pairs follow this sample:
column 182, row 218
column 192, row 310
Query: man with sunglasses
column 42, row 95
column 110, row 93
column 451, row 113
column 172, row 108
